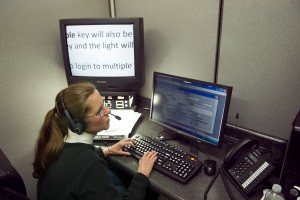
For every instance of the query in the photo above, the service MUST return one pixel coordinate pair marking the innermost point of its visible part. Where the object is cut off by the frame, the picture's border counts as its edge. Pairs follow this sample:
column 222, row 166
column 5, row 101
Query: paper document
column 119, row 129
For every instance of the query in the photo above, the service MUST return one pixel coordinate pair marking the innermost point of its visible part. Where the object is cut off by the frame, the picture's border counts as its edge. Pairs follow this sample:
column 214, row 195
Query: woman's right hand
column 146, row 162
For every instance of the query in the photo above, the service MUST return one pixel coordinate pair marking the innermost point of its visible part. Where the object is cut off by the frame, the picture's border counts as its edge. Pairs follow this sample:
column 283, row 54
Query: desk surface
column 166, row 186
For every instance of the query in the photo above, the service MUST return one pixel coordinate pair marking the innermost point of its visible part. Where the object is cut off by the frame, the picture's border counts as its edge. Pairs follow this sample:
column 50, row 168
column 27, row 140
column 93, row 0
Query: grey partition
column 180, row 36
column 259, row 53
column 260, row 59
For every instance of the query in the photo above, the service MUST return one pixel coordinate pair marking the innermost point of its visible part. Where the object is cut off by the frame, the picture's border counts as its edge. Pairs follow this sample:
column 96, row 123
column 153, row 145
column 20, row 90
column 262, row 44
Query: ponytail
column 50, row 142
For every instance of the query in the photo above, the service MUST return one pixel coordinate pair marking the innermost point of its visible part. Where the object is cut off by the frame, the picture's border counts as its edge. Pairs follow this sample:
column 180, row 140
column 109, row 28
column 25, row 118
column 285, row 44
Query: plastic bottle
column 274, row 193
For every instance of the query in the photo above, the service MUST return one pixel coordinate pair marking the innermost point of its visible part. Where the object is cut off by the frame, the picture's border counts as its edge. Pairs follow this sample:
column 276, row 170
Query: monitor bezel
column 109, row 84
column 185, row 134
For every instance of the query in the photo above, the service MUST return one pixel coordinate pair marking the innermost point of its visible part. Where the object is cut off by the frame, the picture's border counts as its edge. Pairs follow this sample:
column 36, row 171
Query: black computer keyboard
column 171, row 161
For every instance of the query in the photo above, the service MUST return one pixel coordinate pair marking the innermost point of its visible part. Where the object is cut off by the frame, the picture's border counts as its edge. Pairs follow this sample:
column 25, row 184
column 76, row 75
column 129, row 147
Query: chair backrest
column 11, row 183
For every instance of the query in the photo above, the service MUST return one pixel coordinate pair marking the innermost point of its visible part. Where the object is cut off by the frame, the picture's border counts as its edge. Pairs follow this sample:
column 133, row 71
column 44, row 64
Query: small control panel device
column 117, row 102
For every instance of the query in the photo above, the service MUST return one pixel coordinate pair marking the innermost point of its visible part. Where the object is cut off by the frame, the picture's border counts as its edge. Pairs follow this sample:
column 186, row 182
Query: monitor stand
column 193, row 147
column 193, row 143
column 119, row 100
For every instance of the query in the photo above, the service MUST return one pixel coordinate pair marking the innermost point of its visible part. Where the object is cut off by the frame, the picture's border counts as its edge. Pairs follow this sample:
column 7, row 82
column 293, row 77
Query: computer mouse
column 210, row 167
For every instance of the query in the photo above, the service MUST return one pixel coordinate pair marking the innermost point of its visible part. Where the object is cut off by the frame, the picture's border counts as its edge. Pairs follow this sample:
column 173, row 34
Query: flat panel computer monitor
column 108, row 52
column 195, row 109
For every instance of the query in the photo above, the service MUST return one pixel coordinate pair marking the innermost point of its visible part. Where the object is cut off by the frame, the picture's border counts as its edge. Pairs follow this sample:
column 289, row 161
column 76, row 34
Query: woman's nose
column 107, row 111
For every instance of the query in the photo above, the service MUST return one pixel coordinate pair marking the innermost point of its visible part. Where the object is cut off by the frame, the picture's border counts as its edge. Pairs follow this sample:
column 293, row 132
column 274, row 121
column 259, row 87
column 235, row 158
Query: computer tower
column 290, row 174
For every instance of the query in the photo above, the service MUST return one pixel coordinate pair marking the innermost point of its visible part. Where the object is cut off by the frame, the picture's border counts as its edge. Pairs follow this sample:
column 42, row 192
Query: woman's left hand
column 117, row 149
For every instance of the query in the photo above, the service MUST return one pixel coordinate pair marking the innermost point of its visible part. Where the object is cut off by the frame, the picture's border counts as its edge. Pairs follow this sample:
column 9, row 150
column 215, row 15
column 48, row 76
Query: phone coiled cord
column 224, row 175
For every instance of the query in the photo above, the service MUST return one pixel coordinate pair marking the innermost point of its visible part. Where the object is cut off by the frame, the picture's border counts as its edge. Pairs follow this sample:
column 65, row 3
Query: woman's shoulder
column 82, row 151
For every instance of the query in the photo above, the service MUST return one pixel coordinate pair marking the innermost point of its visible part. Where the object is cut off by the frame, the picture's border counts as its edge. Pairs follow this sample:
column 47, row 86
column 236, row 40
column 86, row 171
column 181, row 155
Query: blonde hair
column 50, row 141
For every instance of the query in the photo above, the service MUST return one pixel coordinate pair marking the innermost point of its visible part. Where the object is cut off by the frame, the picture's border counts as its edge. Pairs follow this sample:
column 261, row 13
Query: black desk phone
column 246, row 166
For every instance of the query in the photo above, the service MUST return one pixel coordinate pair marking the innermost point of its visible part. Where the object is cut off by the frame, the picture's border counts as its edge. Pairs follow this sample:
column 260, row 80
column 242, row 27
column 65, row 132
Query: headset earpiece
column 76, row 125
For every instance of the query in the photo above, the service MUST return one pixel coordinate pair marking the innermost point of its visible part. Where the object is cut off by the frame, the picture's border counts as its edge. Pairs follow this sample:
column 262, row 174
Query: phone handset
column 239, row 149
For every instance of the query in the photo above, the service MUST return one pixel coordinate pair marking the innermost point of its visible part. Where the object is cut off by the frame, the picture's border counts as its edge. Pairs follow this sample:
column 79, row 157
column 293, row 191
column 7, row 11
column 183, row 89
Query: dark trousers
column 118, row 184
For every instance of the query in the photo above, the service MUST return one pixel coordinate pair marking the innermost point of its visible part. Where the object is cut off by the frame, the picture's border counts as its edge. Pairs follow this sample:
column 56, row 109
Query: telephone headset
column 76, row 125
column 244, row 167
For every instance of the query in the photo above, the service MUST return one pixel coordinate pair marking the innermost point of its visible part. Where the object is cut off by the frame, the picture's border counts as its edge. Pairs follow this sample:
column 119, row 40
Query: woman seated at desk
column 66, row 163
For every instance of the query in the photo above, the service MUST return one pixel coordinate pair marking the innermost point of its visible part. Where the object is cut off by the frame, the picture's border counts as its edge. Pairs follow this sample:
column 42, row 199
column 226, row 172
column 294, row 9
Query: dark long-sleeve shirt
column 81, row 173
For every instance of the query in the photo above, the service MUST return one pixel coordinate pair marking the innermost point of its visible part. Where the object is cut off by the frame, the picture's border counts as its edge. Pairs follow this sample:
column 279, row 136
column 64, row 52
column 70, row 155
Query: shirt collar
column 75, row 138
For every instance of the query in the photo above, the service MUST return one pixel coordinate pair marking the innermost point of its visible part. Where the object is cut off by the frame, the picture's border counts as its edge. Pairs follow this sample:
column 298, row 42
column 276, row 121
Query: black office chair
column 12, row 186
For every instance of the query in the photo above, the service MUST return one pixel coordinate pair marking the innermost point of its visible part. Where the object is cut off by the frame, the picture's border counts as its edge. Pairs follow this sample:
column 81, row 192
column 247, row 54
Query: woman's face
column 97, row 119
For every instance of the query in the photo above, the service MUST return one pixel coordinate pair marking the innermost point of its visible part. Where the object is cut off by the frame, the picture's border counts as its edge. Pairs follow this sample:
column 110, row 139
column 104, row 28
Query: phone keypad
column 250, row 170
column 241, row 168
